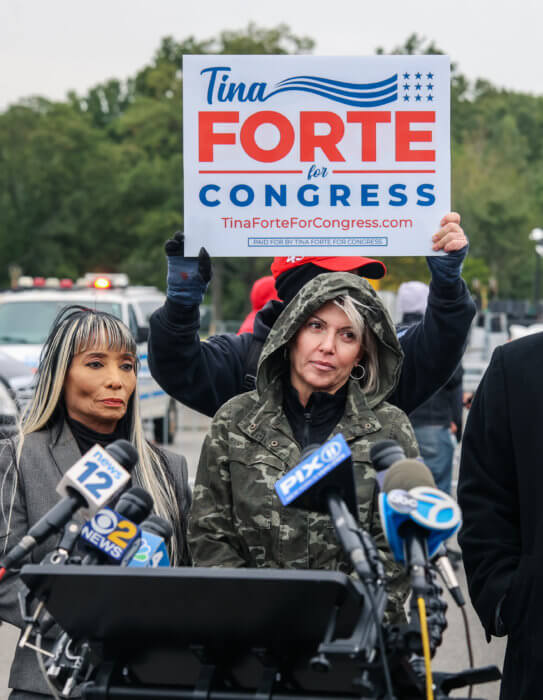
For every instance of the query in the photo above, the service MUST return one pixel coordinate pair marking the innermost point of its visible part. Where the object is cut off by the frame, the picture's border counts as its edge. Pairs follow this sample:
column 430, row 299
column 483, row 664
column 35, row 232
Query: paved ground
column 452, row 655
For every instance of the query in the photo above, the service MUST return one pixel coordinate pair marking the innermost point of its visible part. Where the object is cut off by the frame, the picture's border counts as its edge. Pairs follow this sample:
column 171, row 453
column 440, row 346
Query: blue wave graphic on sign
column 353, row 94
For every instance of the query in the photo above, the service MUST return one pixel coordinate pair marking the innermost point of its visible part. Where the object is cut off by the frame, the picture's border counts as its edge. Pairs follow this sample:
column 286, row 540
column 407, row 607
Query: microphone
column 326, row 467
column 98, row 477
column 416, row 517
column 90, row 484
column 323, row 482
column 111, row 535
column 384, row 454
column 443, row 565
column 131, row 508
column 152, row 552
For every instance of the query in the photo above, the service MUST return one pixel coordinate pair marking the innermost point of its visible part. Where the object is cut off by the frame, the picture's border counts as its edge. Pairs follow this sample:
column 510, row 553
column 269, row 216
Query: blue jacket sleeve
column 433, row 348
column 200, row 374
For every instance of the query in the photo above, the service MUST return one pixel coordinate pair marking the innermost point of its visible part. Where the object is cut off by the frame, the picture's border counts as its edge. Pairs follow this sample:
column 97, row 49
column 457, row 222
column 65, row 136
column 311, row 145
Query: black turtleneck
column 87, row 438
column 313, row 423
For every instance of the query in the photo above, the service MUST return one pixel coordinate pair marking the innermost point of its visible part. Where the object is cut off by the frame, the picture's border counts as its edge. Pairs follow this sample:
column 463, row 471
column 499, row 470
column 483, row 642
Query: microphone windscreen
column 158, row 526
column 407, row 474
column 124, row 452
column 135, row 504
column 385, row 453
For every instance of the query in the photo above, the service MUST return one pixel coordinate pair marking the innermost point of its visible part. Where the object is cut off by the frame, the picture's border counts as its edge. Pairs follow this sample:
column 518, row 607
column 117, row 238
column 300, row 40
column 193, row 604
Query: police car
column 26, row 315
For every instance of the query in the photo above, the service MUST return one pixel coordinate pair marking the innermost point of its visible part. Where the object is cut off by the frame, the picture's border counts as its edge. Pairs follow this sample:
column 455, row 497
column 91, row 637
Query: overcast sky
column 48, row 47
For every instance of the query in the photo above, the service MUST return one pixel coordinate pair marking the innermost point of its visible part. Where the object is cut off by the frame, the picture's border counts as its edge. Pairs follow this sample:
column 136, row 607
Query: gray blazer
column 47, row 455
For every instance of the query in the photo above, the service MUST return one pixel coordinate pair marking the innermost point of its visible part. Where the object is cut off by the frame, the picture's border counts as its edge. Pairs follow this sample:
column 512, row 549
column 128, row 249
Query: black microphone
column 404, row 475
column 124, row 452
column 133, row 507
column 91, row 483
column 158, row 526
column 385, row 453
column 323, row 482
column 135, row 504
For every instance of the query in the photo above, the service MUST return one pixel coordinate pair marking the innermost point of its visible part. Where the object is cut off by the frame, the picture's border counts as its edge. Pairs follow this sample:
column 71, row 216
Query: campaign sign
column 309, row 155
column 312, row 469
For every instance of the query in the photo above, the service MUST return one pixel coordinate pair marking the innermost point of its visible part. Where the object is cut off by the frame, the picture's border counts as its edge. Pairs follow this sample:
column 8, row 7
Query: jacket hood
column 323, row 288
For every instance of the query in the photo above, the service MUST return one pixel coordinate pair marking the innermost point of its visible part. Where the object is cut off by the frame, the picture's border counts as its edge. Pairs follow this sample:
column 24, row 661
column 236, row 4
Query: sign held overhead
column 316, row 155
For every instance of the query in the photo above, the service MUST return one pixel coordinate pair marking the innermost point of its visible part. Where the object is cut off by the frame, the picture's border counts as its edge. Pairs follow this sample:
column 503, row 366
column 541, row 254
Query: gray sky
column 48, row 47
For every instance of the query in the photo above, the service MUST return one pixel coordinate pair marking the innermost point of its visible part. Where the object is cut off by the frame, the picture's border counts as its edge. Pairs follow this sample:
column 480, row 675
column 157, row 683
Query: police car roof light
column 102, row 283
column 25, row 281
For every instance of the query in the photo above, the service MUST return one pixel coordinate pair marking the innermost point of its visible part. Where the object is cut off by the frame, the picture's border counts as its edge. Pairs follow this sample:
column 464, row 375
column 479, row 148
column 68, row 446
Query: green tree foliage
column 96, row 182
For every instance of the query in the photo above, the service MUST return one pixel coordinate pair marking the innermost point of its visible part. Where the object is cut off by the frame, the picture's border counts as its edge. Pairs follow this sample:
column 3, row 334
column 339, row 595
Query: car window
column 29, row 322
column 147, row 308
column 132, row 321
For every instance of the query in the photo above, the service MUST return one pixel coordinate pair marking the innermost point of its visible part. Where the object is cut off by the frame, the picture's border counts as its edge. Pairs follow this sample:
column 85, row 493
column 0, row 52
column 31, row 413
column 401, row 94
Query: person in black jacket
column 204, row 375
column 440, row 417
column 499, row 486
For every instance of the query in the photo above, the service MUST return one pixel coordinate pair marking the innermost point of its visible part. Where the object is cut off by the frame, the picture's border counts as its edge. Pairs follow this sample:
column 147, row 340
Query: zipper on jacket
column 307, row 425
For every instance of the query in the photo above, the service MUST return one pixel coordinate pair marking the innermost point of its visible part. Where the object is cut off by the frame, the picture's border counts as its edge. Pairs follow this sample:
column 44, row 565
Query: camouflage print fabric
column 237, row 518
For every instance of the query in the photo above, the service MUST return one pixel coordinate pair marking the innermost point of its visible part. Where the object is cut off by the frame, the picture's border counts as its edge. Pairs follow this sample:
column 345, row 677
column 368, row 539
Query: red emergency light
column 102, row 283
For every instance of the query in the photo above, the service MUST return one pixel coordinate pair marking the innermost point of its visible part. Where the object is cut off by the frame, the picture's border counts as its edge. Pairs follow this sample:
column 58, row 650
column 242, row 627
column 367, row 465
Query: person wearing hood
column 262, row 291
column 204, row 375
column 328, row 365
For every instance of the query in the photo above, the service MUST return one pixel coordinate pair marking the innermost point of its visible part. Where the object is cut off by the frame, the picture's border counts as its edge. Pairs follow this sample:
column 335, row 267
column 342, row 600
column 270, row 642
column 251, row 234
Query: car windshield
column 29, row 322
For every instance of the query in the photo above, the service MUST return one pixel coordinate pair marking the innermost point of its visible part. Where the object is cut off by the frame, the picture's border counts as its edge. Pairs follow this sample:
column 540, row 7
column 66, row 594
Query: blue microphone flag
column 151, row 553
column 312, row 469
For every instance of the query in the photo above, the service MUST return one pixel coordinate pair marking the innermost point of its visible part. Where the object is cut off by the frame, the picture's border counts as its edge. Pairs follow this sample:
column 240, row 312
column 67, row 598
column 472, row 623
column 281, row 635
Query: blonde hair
column 354, row 310
column 75, row 330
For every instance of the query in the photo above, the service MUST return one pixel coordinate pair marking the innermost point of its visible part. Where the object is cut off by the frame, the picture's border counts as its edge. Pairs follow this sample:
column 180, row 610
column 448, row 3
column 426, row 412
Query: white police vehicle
column 26, row 315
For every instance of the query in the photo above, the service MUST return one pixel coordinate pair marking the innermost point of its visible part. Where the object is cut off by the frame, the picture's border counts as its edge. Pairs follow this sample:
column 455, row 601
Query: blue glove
column 447, row 269
column 188, row 278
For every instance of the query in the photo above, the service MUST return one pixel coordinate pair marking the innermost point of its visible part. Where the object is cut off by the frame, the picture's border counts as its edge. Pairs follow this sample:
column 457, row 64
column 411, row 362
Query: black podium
column 227, row 634
column 169, row 632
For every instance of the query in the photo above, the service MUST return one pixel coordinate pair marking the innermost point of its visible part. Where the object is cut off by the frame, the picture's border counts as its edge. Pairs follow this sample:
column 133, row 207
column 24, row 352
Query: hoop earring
column 362, row 370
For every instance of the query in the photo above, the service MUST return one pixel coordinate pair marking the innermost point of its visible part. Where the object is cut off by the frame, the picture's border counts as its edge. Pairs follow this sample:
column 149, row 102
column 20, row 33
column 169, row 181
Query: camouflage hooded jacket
column 236, row 517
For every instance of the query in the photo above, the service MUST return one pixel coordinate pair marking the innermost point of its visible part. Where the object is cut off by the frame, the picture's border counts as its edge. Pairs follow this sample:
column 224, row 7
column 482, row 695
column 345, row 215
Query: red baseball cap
column 373, row 269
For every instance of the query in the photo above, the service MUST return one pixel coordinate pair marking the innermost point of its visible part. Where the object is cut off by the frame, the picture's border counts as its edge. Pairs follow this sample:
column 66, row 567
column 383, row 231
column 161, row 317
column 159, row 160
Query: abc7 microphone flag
column 434, row 511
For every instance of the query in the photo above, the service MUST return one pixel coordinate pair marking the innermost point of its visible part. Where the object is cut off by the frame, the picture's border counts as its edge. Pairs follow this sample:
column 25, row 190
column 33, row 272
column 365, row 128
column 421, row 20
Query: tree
column 96, row 182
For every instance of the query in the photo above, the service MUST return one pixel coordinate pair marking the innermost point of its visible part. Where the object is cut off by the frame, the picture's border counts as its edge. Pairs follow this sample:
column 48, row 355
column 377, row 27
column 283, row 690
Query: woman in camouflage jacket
column 305, row 394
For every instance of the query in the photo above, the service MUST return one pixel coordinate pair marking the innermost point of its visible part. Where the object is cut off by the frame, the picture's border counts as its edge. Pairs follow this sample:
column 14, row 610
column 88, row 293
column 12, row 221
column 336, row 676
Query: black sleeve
column 454, row 396
column 433, row 348
column 200, row 374
column 487, row 494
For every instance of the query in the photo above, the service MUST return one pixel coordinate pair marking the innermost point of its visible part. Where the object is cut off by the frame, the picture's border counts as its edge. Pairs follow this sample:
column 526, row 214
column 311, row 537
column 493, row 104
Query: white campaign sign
column 306, row 155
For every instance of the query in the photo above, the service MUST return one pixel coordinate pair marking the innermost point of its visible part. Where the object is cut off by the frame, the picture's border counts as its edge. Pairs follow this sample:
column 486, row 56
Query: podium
column 227, row 634
column 205, row 633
